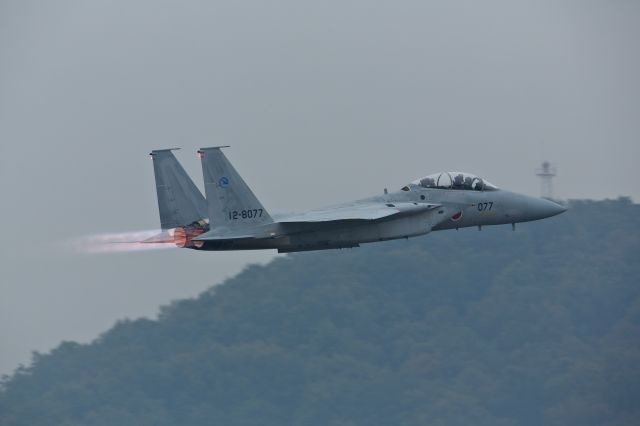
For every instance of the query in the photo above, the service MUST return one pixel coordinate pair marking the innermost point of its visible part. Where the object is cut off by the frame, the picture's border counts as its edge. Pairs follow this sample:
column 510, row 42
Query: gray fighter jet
column 232, row 218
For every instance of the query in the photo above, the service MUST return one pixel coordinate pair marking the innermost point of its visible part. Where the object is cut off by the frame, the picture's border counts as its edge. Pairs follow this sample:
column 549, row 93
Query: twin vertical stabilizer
column 180, row 202
column 229, row 201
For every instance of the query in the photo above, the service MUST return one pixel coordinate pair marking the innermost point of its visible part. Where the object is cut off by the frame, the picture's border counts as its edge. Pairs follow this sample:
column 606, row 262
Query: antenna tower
column 546, row 173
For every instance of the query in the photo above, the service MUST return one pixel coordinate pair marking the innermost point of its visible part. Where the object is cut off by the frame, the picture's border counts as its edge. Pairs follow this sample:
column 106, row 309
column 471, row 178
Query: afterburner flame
column 183, row 237
column 124, row 242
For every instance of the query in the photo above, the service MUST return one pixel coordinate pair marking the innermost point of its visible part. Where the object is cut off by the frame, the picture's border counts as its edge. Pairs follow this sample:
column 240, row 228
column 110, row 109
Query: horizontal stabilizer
column 213, row 236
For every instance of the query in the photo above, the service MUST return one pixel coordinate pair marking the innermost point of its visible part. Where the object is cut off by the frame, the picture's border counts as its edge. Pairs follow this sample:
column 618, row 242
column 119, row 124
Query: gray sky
column 327, row 100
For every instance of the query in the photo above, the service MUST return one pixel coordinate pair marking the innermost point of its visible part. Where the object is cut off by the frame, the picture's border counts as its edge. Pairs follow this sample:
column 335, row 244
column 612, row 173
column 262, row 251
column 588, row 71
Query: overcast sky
column 321, row 101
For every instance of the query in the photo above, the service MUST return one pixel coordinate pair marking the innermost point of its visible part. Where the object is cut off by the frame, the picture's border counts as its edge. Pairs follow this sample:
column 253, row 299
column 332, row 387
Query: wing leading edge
column 364, row 211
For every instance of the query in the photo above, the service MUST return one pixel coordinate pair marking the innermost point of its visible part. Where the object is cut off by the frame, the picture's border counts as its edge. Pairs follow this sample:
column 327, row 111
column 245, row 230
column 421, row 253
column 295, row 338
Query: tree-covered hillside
column 538, row 326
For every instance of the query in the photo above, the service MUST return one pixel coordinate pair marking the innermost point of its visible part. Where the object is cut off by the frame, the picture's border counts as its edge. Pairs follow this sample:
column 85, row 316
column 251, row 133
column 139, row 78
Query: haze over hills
column 322, row 102
column 537, row 326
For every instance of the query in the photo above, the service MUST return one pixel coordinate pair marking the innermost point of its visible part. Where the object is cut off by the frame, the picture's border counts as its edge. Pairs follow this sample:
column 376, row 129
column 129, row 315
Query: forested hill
column 538, row 326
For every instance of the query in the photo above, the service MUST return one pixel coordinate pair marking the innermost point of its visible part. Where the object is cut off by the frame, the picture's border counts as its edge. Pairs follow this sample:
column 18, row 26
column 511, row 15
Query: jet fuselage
column 232, row 218
column 458, row 209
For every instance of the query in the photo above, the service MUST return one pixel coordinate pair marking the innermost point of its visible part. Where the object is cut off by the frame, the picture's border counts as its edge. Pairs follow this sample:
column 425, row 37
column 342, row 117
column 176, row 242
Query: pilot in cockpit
column 428, row 182
column 468, row 182
column 458, row 181
column 453, row 180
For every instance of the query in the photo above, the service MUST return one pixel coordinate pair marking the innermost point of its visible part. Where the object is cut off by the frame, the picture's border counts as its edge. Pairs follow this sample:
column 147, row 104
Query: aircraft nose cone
column 541, row 208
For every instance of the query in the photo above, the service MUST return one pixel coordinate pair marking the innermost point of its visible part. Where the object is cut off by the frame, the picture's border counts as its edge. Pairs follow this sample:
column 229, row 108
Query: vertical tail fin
column 179, row 200
column 230, row 201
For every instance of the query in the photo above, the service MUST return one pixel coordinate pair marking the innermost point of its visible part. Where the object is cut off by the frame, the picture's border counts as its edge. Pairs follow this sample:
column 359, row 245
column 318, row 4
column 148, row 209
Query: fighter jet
column 232, row 218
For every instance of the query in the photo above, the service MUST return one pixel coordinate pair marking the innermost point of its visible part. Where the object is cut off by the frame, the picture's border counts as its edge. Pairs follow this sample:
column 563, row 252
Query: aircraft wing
column 360, row 211
column 348, row 212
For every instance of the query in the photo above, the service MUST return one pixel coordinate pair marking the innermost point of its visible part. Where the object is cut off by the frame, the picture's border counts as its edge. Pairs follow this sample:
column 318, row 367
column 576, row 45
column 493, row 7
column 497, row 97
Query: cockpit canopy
column 454, row 180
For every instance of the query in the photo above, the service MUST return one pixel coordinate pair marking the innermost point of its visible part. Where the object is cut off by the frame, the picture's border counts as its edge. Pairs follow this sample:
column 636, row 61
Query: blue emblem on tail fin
column 223, row 182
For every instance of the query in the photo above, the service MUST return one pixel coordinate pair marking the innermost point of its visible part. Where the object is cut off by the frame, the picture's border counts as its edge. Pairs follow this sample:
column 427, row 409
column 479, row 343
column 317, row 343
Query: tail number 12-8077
column 245, row 214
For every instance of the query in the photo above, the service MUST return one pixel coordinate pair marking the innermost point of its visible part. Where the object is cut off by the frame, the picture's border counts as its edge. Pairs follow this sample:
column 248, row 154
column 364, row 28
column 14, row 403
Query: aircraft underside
column 346, row 235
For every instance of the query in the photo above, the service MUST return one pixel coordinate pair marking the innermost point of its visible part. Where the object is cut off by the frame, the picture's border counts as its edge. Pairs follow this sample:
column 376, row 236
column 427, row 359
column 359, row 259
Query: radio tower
column 546, row 174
